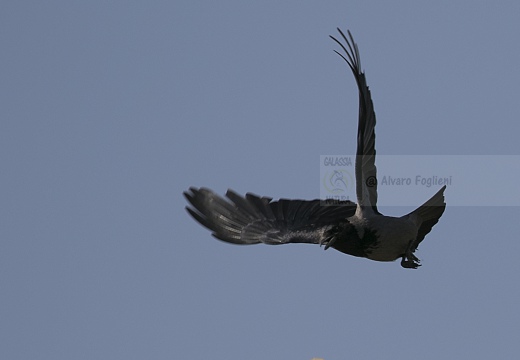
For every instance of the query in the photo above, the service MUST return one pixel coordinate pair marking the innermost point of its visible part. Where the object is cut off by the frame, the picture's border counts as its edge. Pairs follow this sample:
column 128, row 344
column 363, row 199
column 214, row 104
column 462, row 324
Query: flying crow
column 355, row 229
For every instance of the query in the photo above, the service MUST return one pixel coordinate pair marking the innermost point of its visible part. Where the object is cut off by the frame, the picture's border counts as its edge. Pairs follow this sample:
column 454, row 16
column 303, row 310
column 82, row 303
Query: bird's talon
column 410, row 264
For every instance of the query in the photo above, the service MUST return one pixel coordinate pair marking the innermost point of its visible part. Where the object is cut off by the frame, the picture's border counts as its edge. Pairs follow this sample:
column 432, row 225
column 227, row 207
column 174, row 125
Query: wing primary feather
column 251, row 219
column 366, row 183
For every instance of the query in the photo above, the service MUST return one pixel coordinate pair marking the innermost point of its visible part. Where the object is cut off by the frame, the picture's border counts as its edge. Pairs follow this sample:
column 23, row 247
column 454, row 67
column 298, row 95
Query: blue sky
column 111, row 109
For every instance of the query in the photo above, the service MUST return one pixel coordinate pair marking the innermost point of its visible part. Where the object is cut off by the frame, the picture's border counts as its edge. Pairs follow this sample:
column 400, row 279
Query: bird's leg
column 410, row 261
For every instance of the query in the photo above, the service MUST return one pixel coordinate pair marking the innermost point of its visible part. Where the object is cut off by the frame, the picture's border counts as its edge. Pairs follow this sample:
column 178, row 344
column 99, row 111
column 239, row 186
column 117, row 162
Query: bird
column 356, row 229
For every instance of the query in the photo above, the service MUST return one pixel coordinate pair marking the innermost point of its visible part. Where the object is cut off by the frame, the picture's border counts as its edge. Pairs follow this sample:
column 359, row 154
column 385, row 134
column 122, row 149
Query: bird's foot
column 410, row 261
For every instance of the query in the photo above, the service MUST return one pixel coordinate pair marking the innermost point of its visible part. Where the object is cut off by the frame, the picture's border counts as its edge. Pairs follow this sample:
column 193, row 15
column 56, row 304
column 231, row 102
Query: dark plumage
column 355, row 229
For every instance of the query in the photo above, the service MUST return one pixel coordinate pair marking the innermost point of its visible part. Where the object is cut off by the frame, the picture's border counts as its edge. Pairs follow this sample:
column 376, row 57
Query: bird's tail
column 428, row 214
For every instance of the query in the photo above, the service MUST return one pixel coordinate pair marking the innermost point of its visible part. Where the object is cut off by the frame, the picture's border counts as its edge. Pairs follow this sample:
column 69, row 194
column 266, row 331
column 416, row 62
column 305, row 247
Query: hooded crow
column 354, row 229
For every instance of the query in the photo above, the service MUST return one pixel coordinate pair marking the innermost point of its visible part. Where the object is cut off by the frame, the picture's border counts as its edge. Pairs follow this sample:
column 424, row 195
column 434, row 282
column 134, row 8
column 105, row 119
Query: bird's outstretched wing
column 366, row 173
column 253, row 219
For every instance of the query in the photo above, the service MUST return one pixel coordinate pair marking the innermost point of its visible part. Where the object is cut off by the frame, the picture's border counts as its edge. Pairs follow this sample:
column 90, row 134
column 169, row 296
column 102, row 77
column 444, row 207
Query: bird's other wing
column 366, row 173
column 252, row 219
